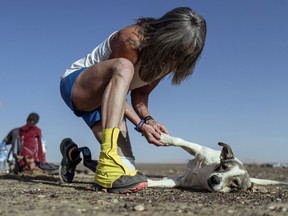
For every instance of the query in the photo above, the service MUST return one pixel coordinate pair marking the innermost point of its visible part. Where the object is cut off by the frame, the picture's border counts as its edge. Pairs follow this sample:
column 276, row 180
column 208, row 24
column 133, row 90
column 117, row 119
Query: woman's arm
column 140, row 98
column 150, row 129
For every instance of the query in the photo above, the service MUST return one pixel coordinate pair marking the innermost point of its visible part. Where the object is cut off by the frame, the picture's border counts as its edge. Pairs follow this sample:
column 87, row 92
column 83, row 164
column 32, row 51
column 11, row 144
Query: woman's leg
column 106, row 84
column 124, row 145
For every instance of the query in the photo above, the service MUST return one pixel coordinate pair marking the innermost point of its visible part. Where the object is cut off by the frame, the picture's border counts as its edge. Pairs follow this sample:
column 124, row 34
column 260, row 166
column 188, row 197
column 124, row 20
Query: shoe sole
column 62, row 161
column 62, row 148
column 130, row 189
column 62, row 145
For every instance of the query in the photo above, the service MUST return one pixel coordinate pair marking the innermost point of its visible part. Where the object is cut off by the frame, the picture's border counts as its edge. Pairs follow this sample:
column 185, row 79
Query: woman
column 133, row 59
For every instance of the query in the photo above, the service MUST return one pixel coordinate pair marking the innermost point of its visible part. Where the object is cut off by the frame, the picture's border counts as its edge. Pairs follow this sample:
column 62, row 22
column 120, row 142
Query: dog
column 210, row 170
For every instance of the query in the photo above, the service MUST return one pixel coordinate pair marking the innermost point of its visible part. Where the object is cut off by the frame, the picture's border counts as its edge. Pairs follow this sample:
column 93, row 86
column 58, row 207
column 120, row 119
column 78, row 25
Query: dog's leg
column 204, row 155
column 192, row 148
column 168, row 182
column 267, row 182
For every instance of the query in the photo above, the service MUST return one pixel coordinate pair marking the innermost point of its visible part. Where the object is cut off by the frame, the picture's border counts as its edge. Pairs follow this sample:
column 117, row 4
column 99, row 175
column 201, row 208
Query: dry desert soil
column 35, row 195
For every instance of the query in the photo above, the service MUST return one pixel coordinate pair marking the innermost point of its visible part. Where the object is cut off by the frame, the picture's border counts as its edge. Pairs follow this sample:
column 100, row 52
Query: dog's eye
column 222, row 167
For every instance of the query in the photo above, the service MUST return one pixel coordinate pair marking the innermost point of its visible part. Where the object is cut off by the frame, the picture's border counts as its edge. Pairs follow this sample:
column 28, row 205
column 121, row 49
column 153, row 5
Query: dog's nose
column 215, row 180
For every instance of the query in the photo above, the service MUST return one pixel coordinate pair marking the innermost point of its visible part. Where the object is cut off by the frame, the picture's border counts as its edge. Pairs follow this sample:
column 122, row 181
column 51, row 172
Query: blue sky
column 238, row 93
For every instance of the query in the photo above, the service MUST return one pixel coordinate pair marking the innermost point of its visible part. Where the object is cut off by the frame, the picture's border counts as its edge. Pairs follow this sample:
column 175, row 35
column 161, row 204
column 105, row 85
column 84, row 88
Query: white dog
column 210, row 170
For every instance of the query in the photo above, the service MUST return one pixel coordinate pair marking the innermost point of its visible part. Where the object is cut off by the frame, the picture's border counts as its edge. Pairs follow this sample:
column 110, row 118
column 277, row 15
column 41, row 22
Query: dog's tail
column 267, row 182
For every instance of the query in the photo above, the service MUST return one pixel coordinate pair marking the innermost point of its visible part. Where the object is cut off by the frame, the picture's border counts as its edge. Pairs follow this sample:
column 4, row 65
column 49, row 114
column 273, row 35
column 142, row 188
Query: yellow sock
column 110, row 166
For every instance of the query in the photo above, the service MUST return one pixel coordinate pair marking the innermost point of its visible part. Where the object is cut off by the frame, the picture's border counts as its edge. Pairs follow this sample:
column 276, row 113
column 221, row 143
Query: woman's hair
column 174, row 41
column 32, row 119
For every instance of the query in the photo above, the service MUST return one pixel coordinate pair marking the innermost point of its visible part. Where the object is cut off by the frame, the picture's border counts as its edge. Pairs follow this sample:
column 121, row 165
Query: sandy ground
column 46, row 195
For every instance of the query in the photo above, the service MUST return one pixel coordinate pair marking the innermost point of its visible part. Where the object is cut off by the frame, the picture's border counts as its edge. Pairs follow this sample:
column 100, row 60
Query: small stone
column 230, row 211
column 81, row 210
column 115, row 201
column 139, row 207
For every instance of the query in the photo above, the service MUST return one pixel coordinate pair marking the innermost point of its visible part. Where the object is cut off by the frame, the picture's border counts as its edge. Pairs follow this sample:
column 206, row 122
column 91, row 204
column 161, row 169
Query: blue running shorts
column 66, row 86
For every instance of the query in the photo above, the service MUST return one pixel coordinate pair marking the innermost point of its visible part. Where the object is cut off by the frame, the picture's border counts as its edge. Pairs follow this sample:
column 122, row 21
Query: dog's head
column 230, row 175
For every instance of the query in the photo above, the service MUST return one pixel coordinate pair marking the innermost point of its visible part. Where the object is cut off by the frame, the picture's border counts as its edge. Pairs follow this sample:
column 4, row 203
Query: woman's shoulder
column 126, row 43
column 130, row 36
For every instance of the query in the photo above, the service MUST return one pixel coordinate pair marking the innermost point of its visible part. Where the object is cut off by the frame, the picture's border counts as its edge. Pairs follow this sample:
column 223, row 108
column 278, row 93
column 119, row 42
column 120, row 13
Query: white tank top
column 102, row 53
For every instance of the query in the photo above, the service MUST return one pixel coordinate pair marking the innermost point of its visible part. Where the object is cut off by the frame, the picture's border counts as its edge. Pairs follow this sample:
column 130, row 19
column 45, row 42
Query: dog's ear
column 226, row 152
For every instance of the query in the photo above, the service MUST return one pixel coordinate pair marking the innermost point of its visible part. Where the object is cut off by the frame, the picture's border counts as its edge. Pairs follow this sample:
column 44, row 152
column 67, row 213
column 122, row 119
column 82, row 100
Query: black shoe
column 71, row 158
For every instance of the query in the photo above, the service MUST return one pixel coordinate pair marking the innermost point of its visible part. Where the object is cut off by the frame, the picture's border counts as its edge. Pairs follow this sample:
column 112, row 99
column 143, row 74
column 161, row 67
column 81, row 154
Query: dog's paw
column 166, row 139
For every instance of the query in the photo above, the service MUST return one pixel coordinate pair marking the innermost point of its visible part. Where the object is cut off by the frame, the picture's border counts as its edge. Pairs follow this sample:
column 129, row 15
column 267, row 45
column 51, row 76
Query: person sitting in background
column 11, row 139
column 30, row 136
column 28, row 148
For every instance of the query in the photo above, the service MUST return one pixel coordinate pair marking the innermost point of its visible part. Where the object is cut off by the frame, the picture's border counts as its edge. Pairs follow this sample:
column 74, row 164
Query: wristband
column 139, row 125
column 147, row 118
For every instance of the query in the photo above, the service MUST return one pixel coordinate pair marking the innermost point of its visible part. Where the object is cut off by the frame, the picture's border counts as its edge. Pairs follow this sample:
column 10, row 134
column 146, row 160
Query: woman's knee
column 123, row 68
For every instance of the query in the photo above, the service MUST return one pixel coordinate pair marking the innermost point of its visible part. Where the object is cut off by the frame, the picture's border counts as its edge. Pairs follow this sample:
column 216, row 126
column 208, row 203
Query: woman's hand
column 152, row 132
